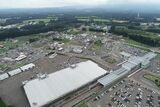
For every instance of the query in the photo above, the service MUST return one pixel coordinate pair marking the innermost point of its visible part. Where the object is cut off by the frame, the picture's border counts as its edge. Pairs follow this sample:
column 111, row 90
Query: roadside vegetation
column 2, row 104
column 84, row 105
column 154, row 79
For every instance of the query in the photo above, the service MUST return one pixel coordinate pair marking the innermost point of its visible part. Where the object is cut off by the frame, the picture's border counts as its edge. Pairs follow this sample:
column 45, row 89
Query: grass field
column 101, row 20
column 9, row 44
column 137, row 44
column 158, row 57
column 154, row 79
column 81, row 17
column 63, row 40
column 110, row 60
column 3, row 67
column 97, row 45
column 83, row 20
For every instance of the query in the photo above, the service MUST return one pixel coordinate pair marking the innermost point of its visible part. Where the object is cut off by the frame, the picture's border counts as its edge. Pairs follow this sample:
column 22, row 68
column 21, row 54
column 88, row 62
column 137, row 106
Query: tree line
column 139, row 37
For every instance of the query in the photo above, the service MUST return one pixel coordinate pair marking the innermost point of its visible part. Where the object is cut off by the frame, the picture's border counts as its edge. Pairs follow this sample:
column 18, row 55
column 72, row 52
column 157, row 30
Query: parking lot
column 126, row 94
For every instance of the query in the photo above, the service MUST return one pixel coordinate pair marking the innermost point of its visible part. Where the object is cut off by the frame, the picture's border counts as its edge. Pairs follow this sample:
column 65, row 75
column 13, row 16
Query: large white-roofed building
column 41, row 92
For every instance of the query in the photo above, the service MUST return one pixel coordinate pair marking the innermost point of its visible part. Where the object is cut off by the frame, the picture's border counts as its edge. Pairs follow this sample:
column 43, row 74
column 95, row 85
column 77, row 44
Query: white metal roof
column 4, row 76
column 27, row 67
column 14, row 72
column 43, row 91
column 112, row 77
column 128, row 66
column 135, row 60
column 20, row 57
column 149, row 56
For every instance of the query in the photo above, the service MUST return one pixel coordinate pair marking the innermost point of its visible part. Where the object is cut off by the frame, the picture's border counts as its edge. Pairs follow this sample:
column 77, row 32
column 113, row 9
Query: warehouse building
column 27, row 67
column 45, row 90
column 14, row 72
column 4, row 76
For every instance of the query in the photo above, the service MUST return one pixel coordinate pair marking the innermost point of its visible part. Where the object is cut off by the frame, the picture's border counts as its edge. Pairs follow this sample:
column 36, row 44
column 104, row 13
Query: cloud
column 134, row 1
column 47, row 3
column 61, row 3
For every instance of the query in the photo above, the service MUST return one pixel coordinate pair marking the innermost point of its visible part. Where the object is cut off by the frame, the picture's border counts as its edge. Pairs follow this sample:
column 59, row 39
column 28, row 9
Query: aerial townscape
column 71, row 56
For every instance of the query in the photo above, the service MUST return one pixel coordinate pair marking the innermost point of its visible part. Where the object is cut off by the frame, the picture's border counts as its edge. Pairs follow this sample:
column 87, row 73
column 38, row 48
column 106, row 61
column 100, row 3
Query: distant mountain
column 146, row 8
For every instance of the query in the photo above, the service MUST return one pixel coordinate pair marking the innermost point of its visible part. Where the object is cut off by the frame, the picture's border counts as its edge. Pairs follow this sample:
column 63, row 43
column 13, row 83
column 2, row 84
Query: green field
column 158, row 57
column 151, row 39
column 110, row 60
column 63, row 40
column 81, row 17
column 97, row 45
column 3, row 67
column 94, row 18
column 9, row 44
column 154, row 79
column 83, row 20
column 137, row 44
column 101, row 20
column 46, row 20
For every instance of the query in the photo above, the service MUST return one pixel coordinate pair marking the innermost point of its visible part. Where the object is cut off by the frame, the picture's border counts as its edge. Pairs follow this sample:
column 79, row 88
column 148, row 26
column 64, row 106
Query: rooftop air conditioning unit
column 73, row 66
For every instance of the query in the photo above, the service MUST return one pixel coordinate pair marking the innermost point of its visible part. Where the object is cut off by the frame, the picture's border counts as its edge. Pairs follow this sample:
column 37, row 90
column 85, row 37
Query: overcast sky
column 61, row 3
